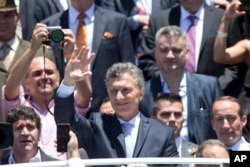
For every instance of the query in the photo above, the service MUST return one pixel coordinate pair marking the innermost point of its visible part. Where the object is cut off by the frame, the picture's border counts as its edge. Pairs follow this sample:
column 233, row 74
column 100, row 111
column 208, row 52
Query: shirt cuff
column 136, row 22
column 72, row 162
column 65, row 91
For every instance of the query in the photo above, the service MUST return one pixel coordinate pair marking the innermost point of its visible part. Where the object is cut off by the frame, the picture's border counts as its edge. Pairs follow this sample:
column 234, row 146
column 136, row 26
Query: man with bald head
column 40, row 77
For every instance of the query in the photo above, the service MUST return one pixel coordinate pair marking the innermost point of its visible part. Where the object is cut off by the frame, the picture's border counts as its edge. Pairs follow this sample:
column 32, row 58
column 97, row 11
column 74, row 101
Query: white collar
column 241, row 145
column 36, row 158
column 199, row 14
column 73, row 14
column 182, row 86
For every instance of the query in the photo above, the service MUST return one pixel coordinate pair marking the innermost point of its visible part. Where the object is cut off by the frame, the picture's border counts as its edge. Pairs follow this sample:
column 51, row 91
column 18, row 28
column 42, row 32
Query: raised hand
column 232, row 11
column 77, row 66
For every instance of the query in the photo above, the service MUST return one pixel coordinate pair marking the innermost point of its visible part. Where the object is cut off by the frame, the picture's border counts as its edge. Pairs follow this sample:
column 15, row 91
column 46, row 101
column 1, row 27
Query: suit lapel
column 142, row 135
column 193, row 89
column 64, row 19
column 114, row 132
column 20, row 49
column 175, row 13
column 156, row 86
column 207, row 23
column 99, row 25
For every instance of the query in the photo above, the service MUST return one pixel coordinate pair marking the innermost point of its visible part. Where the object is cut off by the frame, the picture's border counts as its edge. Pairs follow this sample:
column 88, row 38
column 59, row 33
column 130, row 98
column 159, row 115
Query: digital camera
column 55, row 34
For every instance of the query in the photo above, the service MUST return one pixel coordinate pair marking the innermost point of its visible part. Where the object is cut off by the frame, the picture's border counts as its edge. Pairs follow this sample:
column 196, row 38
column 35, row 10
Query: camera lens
column 57, row 36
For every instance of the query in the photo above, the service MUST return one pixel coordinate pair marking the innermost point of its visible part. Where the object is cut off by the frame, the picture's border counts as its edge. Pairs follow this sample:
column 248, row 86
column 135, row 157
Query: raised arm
column 238, row 52
column 20, row 68
column 76, row 73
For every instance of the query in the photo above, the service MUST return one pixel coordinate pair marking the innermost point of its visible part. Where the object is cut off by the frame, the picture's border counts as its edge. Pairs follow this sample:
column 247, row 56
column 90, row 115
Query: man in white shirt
column 228, row 120
column 26, row 125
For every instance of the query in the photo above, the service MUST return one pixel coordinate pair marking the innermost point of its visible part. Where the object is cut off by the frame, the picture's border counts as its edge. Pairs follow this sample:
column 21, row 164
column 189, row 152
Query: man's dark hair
column 170, row 97
column 23, row 112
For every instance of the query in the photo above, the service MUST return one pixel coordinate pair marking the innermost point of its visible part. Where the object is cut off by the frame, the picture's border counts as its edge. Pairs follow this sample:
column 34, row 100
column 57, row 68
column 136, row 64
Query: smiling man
column 39, row 76
column 105, row 136
column 26, row 132
column 228, row 120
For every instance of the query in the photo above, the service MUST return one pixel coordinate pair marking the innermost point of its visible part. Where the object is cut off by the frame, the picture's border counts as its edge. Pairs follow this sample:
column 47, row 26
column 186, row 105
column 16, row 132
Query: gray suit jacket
column 230, row 77
column 108, row 50
column 201, row 92
column 102, row 136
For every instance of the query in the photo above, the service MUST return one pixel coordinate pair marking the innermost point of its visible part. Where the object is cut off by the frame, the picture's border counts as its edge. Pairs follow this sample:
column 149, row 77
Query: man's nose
column 170, row 54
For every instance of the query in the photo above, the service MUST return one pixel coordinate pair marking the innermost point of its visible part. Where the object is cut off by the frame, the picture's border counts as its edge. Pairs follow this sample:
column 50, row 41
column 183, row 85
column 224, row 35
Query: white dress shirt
column 183, row 94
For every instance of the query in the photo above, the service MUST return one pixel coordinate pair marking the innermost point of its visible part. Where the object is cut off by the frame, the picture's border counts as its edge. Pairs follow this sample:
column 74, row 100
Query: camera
column 245, row 5
column 55, row 34
column 6, row 135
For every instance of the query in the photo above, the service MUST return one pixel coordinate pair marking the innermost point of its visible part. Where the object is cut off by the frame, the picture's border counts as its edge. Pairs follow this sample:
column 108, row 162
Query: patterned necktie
column 127, row 127
column 5, row 58
column 191, row 35
column 81, row 35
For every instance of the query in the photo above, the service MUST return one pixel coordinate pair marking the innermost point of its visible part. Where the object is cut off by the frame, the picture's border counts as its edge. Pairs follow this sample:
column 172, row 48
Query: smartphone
column 245, row 5
column 62, row 136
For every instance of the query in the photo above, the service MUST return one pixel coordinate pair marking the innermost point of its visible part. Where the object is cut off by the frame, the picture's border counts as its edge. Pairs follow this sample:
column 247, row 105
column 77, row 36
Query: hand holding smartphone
column 62, row 136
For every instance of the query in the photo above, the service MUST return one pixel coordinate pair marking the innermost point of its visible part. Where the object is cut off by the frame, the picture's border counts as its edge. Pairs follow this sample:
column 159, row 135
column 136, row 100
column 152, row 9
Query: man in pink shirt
column 40, row 77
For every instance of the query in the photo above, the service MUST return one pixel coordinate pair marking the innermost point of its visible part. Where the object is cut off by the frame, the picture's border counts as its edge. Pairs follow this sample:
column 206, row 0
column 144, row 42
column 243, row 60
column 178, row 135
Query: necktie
column 127, row 127
column 5, row 58
column 81, row 35
column 191, row 34
column 140, row 36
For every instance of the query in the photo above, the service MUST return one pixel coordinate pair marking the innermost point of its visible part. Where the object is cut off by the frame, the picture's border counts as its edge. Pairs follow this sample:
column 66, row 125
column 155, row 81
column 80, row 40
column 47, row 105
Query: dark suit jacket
column 33, row 12
column 102, row 136
column 230, row 77
column 201, row 92
column 108, row 51
column 44, row 157
column 127, row 7
column 185, row 147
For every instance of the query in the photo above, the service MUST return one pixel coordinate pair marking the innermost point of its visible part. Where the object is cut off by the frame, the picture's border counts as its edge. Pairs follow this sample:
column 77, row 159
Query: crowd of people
column 132, row 78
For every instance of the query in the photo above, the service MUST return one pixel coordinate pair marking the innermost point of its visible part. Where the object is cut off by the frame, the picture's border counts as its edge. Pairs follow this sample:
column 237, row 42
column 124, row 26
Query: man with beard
column 26, row 125
column 39, row 77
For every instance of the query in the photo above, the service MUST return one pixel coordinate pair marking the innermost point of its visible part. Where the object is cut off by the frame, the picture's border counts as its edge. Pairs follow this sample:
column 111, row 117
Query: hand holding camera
column 48, row 35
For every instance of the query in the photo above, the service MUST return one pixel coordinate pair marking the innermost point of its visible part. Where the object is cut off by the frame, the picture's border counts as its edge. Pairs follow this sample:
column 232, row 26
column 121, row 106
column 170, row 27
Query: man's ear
column 212, row 123
column 244, row 120
column 26, row 83
column 141, row 93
